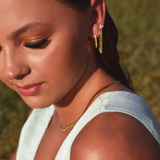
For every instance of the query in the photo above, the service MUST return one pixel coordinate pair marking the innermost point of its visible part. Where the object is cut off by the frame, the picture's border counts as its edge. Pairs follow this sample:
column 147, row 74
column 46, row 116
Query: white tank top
column 117, row 101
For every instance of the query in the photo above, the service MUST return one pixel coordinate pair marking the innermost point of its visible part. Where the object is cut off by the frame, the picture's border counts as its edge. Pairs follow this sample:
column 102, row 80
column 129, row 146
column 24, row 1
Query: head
column 110, row 58
column 47, row 44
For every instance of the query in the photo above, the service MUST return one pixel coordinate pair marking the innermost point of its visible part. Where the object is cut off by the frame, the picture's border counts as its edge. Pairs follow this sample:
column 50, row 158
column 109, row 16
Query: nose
column 15, row 66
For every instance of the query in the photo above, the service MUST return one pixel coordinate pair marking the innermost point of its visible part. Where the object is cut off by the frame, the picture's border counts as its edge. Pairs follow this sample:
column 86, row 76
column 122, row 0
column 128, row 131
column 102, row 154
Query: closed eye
column 38, row 45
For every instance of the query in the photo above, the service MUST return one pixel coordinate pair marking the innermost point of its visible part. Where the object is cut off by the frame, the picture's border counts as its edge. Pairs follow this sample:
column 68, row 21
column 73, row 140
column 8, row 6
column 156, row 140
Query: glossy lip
column 29, row 89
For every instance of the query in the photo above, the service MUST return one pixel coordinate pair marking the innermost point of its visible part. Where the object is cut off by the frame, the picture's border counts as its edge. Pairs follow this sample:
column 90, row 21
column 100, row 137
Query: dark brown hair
column 110, row 58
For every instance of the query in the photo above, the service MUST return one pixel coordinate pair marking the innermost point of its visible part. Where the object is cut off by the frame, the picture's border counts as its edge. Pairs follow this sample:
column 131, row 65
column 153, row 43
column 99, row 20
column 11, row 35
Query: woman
column 50, row 56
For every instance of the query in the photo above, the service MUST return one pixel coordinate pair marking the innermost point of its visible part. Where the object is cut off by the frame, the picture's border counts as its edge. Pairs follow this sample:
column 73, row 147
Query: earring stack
column 100, row 40
column 95, row 41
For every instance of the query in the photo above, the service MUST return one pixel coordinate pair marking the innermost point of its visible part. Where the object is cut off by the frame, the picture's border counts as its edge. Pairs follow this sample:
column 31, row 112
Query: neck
column 72, row 106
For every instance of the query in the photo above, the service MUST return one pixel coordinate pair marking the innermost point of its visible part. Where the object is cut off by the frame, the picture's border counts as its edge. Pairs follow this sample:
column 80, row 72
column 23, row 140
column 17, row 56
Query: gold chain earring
column 101, row 39
column 95, row 41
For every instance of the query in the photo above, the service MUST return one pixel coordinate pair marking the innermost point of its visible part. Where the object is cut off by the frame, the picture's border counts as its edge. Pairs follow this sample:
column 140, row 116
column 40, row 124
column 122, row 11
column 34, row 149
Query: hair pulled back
column 110, row 58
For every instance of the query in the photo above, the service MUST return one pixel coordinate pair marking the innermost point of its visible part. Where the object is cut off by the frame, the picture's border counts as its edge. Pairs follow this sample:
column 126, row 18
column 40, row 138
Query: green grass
column 139, row 46
column 13, row 113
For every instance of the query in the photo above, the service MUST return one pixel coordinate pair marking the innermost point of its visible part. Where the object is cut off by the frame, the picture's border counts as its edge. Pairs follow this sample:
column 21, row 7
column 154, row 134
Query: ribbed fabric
column 118, row 101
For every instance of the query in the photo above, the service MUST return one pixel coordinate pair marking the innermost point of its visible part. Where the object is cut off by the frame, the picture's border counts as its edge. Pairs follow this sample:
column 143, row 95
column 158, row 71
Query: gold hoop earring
column 95, row 41
column 101, row 39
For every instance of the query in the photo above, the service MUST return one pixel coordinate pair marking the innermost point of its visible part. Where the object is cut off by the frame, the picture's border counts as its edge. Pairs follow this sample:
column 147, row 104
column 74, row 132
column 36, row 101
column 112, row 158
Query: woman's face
column 43, row 51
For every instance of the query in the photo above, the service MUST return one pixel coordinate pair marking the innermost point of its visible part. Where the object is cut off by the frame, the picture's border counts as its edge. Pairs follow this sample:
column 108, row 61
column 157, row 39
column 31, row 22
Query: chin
column 36, row 103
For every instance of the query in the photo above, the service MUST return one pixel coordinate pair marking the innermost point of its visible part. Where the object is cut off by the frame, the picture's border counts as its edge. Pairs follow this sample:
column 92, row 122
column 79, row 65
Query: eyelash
column 38, row 45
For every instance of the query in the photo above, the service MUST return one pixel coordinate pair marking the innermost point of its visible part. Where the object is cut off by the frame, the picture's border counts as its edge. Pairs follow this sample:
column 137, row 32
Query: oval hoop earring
column 95, row 41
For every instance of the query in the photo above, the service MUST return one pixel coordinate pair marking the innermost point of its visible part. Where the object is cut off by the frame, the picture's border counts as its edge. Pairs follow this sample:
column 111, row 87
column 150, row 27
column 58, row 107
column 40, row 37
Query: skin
column 67, row 68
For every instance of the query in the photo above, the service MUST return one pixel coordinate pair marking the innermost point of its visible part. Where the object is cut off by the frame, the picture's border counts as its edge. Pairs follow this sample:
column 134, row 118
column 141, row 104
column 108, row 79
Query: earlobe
column 97, row 17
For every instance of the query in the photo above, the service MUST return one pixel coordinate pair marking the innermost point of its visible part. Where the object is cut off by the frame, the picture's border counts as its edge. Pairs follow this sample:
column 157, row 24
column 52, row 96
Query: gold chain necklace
column 64, row 129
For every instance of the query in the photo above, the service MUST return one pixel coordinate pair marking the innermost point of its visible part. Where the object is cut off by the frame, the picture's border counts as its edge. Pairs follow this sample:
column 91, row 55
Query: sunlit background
column 139, row 46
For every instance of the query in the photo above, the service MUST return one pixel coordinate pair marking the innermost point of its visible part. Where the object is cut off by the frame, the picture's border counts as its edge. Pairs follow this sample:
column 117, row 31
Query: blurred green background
column 139, row 47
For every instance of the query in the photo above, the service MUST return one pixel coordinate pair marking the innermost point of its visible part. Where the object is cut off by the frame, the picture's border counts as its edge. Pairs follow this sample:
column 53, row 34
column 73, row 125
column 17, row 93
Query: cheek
column 1, row 70
column 65, row 56
column 61, row 66
column 2, row 78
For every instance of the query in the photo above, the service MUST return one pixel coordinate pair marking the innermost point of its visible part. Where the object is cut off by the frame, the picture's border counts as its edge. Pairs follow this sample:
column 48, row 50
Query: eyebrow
column 27, row 27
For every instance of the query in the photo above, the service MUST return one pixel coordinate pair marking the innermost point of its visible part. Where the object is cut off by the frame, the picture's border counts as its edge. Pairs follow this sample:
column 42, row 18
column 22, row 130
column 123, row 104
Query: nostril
column 19, row 77
column 16, row 71
column 14, row 66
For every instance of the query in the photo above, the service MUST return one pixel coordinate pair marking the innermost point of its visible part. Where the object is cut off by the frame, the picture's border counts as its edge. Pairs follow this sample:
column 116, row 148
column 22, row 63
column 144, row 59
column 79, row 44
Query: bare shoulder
column 111, row 136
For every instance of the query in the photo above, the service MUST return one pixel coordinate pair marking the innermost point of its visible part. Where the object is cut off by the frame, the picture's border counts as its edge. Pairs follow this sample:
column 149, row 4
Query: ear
column 97, row 16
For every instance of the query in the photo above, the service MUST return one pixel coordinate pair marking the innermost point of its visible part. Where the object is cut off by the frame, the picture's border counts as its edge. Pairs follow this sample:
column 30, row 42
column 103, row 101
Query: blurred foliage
column 139, row 47
column 13, row 113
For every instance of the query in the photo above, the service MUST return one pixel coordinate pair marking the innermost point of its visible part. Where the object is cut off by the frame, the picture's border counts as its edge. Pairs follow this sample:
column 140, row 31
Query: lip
column 29, row 89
